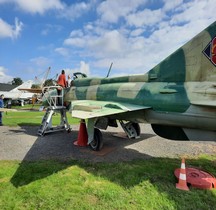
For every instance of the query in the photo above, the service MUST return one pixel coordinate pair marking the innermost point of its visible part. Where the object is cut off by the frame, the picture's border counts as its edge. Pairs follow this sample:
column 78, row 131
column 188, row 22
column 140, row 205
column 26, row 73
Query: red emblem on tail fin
column 210, row 51
column 213, row 51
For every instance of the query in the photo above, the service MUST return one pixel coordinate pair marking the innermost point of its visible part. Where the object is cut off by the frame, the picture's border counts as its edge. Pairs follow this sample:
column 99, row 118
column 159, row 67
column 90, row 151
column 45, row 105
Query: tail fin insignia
column 210, row 51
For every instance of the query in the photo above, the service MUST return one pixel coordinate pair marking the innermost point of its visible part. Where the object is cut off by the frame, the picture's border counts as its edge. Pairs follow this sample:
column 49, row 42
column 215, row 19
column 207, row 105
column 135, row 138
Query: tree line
column 18, row 81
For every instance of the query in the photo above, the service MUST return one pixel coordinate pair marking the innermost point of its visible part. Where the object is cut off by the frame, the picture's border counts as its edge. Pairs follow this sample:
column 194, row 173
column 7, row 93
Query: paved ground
column 22, row 143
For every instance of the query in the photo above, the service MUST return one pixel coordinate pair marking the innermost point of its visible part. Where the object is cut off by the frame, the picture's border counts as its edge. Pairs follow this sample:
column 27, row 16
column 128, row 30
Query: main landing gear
column 132, row 130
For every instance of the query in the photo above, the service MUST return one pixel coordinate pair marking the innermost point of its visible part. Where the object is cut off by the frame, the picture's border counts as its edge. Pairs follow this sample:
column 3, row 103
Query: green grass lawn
column 33, row 117
column 141, row 184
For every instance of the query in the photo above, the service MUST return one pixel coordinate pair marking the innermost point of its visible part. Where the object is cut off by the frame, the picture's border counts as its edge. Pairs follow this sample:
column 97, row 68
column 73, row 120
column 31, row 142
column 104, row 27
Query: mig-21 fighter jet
column 177, row 97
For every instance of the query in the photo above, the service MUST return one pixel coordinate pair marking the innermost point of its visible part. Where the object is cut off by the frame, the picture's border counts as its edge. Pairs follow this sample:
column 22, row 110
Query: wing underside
column 86, row 109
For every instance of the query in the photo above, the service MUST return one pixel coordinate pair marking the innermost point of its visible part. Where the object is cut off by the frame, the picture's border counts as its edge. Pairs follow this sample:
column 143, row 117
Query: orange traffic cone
column 182, row 184
column 82, row 136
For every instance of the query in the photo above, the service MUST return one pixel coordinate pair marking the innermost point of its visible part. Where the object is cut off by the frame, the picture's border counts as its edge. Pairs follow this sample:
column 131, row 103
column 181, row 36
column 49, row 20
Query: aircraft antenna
column 109, row 70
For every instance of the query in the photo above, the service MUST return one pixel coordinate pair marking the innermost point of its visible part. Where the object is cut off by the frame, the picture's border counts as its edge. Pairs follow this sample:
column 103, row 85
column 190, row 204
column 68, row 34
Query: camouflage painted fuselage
column 180, row 91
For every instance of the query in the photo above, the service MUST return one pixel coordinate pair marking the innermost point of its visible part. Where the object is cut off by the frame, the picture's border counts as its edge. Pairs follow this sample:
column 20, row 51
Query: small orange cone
column 82, row 136
column 182, row 184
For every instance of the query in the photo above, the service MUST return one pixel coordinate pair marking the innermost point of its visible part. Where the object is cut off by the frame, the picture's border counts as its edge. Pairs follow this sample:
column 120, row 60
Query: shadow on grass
column 28, row 124
column 131, row 174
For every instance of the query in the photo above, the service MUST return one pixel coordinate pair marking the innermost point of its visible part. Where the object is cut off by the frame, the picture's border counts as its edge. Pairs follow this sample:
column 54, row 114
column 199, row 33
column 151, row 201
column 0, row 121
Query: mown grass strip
column 141, row 184
column 32, row 118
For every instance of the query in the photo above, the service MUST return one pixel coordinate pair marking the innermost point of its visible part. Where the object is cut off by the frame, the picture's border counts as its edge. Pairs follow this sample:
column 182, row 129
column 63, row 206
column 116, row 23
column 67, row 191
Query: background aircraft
column 177, row 97
column 16, row 94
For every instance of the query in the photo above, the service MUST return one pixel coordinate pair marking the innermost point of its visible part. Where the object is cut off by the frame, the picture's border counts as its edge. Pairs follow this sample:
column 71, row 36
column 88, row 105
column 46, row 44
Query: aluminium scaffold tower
column 55, row 102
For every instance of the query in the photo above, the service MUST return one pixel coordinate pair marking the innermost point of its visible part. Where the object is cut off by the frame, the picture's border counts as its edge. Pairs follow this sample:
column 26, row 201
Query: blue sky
column 88, row 35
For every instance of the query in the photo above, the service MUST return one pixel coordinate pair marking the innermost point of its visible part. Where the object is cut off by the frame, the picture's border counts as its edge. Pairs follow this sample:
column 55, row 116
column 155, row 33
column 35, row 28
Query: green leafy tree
column 17, row 81
column 35, row 86
column 49, row 82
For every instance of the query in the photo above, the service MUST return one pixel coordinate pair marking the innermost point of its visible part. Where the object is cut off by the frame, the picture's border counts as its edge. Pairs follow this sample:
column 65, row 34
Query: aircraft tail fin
column 26, row 84
column 194, row 61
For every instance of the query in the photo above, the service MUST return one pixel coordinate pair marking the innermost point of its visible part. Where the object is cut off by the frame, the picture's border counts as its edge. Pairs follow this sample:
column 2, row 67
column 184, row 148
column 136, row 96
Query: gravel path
column 22, row 143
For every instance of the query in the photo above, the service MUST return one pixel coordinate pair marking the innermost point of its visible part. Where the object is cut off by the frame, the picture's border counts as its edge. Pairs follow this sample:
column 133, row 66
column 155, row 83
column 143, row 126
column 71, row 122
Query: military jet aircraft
column 177, row 97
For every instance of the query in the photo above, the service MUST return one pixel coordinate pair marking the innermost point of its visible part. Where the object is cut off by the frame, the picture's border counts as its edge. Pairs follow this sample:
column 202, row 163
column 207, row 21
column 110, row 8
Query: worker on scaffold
column 63, row 83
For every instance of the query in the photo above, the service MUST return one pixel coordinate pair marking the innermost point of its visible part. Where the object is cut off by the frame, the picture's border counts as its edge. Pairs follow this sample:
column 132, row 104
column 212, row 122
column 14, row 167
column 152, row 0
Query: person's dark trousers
column 1, row 118
column 59, row 98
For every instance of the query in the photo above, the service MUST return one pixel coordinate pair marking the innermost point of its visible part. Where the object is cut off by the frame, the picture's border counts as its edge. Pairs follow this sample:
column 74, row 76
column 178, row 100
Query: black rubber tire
column 137, row 128
column 97, row 142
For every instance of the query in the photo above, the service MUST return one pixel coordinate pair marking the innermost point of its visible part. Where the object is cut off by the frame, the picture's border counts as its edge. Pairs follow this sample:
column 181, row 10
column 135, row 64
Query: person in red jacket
column 62, row 79
column 63, row 83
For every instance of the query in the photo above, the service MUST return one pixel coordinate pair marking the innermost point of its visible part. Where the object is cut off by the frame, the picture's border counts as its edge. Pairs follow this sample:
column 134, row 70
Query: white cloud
column 110, row 11
column 89, row 27
column 49, row 28
column 67, row 10
column 36, row 6
column 75, row 10
column 76, row 33
column 18, row 28
column 7, row 30
column 4, row 78
column 62, row 51
column 146, row 17
column 136, row 32
column 77, row 42
column 171, row 5
column 105, row 43
column 41, row 61
column 111, row 43
column 84, row 68
column 75, row 39
column 198, row 12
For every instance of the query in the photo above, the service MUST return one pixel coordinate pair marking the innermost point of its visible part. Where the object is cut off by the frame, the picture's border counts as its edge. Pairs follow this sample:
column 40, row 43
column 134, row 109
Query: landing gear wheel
column 136, row 126
column 69, row 130
column 97, row 142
